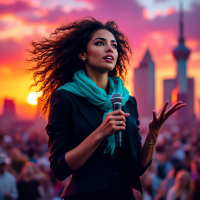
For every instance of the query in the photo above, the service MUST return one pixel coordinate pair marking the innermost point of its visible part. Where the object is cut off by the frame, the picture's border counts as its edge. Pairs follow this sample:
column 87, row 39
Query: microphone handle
column 118, row 134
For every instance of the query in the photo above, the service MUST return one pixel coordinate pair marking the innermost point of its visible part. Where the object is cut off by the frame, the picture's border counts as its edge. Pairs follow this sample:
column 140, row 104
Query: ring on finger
column 120, row 122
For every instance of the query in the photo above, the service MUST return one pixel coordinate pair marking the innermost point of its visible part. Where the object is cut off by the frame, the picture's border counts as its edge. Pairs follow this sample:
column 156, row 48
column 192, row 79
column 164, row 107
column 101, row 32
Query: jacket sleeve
column 139, row 143
column 58, row 131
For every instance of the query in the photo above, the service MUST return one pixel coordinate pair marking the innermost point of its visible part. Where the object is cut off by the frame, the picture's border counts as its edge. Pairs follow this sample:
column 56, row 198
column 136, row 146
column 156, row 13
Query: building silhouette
column 144, row 86
column 181, row 88
column 9, row 114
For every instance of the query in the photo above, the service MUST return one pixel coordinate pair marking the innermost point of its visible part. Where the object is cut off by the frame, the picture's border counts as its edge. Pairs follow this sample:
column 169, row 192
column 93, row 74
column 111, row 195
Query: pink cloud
column 130, row 18
column 145, row 13
column 14, row 7
column 11, row 50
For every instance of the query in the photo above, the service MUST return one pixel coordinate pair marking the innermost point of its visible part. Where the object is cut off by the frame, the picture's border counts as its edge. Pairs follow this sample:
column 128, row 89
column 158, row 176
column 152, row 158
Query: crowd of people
column 173, row 175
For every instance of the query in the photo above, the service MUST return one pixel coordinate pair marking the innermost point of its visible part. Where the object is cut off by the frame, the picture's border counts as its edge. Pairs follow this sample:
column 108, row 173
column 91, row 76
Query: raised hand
column 159, row 118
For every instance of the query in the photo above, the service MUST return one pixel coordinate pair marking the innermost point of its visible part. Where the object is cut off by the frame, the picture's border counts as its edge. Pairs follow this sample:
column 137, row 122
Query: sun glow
column 32, row 97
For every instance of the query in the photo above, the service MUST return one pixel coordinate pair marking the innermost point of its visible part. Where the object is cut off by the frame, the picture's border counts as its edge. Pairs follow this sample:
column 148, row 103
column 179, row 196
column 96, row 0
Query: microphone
column 116, row 100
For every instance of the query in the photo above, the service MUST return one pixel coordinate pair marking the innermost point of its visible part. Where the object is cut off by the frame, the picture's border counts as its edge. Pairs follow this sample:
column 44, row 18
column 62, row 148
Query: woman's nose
column 109, row 48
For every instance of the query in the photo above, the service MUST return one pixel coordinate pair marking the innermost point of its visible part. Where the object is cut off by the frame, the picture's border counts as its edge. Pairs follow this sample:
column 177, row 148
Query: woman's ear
column 82, row 56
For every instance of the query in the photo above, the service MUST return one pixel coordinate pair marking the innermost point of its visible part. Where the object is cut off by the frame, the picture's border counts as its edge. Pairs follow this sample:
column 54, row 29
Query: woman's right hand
column 111, row 123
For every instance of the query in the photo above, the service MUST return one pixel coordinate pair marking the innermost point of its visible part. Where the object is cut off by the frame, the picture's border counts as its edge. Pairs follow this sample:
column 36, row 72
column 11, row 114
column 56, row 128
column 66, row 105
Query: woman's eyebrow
column 105, row 39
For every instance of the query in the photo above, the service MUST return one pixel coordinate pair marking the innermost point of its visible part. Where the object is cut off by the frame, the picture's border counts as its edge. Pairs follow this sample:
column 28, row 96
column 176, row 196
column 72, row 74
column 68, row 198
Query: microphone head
column 116, row 98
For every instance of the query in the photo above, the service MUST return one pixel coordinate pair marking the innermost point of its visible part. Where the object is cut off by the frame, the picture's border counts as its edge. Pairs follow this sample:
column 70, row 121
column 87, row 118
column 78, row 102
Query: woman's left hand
column 159, row 118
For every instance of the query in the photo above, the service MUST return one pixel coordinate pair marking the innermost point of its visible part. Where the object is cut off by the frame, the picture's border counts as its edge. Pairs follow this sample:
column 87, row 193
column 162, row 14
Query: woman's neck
column 100, row 79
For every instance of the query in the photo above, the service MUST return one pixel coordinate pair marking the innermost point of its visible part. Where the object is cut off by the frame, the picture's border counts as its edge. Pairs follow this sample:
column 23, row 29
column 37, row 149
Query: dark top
column 118, row 188
column 71, row 119
column 28, row 190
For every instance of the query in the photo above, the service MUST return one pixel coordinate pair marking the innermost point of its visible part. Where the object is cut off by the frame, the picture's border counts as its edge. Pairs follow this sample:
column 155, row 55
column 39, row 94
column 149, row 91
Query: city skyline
column 144, row 26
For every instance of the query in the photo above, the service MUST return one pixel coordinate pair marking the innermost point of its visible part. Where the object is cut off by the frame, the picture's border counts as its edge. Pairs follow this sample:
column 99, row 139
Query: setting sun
column 32, row 97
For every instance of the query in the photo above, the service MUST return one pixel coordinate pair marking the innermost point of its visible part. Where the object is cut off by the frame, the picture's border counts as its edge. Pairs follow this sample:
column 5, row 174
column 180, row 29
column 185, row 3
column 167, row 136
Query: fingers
column 178, row 107
column 116, row 118
column 164, row 108
column 173, row 108
column 119, row 128
column 158, row 112
column 117, row 123
column 154, row 115
column 119, row 112
column 120, row 118
column 114, row 121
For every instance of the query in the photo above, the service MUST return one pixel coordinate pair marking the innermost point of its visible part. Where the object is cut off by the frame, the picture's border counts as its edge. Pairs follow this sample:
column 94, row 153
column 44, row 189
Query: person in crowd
column 189, row 156
column 163, row 166
column 170, row 178
column 182, row 188
column 195, row 168
column 178, row 151
column 146, row 182
column 28, row 185
column 18, row 161
column 156, row 181
column 196, row 189
column 8, row 188
column 43, row 176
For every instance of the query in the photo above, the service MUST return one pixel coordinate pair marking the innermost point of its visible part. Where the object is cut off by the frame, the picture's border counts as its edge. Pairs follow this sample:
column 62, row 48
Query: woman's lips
column 108, row 60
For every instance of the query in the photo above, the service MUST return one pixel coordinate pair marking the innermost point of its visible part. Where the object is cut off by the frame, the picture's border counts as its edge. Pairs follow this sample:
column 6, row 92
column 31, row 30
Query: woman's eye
column 99, row 43
column 115, row 45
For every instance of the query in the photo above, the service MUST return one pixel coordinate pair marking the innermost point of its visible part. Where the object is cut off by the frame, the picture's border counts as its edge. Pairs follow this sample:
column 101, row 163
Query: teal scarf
column 86, row 87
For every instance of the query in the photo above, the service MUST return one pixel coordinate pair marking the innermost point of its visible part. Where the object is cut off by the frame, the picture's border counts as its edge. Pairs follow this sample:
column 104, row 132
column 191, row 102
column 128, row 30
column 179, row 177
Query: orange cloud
column 17, row 28
column 168, row 57
column 192, row 44
column 7, row 2
column 170, row 11
column 195, row 56
column 42, row 12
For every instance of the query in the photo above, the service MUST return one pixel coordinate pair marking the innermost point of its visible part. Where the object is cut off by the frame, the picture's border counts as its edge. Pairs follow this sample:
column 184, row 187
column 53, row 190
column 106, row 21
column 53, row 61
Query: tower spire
column 181, row 39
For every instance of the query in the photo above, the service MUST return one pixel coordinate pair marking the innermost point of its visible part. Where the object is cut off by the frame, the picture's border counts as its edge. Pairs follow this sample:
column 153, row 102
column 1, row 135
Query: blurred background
column 165, row 40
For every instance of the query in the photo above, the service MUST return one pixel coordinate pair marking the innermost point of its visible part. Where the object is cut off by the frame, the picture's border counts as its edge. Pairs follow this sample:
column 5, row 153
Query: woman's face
column 102, row 43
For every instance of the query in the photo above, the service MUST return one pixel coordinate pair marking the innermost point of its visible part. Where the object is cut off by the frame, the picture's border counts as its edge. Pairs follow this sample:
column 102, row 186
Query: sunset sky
column 146, row 23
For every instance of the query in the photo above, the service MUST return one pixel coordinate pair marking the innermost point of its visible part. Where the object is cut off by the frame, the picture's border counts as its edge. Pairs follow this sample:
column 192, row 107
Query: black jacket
column 71, row 119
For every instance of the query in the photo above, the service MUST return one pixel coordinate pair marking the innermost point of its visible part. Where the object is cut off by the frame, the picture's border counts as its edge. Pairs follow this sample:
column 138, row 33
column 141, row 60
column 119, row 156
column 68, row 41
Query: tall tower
column 181, row 54
column 182, row 87
column 144, row 86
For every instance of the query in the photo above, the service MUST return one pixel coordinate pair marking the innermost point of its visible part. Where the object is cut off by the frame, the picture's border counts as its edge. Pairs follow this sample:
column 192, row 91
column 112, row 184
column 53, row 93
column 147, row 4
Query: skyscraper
column 144, row 86
column 9, row 115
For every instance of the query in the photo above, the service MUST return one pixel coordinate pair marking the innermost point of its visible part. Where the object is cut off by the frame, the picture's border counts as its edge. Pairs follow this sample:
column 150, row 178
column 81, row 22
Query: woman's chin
column 107, row 67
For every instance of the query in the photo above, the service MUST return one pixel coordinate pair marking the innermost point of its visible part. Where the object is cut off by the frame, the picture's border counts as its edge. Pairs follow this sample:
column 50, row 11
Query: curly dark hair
column 57, row 58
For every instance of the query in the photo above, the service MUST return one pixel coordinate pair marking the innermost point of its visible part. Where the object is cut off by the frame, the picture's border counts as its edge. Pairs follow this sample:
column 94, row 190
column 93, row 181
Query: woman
column 81, row 64
column 182, row 188
column 27, row 185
